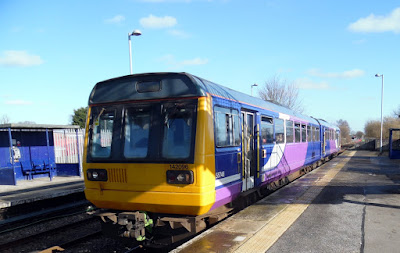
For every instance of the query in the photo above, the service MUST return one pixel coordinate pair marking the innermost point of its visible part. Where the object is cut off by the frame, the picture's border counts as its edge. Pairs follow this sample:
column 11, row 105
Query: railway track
column 39, row 235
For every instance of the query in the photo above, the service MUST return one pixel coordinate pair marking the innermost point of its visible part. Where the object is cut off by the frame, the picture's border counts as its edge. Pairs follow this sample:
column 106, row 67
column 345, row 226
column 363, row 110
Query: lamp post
column 134, row 33
column 252, row 88
column 378, row 75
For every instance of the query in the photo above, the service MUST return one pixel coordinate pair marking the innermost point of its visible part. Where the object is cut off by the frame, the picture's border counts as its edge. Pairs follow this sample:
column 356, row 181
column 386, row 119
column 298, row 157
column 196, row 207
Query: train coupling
column 127, row 224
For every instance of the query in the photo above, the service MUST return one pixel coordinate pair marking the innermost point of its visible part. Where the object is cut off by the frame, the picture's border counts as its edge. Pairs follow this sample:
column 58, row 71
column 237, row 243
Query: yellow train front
column 149, row 156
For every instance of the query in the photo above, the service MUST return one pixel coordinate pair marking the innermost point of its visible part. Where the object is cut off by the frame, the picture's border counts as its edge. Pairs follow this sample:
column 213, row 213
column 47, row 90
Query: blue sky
column 53, row 52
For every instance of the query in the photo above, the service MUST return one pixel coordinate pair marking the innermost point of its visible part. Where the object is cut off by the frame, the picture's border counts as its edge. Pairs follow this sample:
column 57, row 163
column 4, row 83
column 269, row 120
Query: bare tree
column 396, row 113
column 344, row 130
column 4, row 119
column 359, row 134
column 372, row 128
column 282, row 92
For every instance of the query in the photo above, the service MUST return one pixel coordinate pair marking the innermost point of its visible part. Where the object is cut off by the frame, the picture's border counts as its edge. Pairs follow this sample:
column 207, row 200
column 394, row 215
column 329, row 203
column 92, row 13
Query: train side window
column 296, row 132
column 303, row 133
column 317, row 134
column 289, row 131
column 309, row 134
column 267, row 130
column 227, row 131
column 279, row 131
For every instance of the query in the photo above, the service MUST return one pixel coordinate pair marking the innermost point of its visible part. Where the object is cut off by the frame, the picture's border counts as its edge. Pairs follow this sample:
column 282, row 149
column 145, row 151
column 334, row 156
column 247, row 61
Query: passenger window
column 267, row 130
column 227, row 131
column 102, row 134
column 309, row 134
column 303, row 133
column 137, row 125
column 178, row 125
column 289, row 131
column 317, row 136
column 279, row 131
column 297, row 132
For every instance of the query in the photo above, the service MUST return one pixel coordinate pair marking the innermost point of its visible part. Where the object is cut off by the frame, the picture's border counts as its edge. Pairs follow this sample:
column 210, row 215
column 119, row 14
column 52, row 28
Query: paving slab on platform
column 27, row 191
column 350, row 204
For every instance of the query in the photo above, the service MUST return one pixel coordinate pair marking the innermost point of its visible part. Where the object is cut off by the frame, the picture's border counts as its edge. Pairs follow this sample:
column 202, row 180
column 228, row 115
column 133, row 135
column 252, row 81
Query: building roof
column 36, row 126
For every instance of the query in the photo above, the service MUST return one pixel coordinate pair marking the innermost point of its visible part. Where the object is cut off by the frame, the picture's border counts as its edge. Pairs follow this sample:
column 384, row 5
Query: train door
column 248, row 154
column 324, row 142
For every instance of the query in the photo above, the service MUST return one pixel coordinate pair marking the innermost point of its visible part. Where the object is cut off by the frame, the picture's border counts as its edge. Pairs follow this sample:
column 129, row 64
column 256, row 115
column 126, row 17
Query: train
column 172, row 152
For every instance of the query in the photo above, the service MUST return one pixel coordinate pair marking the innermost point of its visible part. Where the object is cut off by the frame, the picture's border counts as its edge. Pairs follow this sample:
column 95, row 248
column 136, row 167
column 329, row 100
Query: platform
column 28, row 191
column 350, row 204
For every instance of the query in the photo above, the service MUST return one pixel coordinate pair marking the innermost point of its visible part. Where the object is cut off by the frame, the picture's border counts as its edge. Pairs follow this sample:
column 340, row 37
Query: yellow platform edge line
column 272, row 231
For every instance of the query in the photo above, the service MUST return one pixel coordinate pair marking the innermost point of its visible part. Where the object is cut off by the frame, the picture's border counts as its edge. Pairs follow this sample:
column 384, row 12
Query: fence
column 68, row 146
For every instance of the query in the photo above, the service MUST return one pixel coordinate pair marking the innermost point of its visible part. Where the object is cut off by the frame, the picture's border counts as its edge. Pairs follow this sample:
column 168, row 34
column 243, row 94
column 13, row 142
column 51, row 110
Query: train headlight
column 180, row 177
column 97, row 175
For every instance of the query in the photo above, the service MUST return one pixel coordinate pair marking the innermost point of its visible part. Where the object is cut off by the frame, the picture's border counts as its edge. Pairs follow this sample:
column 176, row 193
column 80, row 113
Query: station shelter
column 29, row 151
column 394, row 143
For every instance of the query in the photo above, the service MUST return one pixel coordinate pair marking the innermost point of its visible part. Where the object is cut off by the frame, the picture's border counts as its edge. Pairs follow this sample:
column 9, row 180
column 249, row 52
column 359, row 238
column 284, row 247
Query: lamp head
column 378, row 75
column 136, row 33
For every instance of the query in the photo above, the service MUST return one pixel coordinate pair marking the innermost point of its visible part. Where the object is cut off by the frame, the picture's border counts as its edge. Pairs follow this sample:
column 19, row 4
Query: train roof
column 152, row 86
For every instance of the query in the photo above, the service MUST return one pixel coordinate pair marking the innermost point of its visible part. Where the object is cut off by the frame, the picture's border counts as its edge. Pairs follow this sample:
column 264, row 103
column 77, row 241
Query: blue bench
column 37, row 167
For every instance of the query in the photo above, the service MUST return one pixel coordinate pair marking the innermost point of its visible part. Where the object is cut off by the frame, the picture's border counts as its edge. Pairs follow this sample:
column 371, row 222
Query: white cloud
column 359, row 42
column 166, row 1
column 158, row 22
column 118, row 19
column 343, row 75
column 179, row 34
column 195, row 61
column 307, row 84
column 17, row 102
column 19, row 59
column 175, row 64
column 372, row 23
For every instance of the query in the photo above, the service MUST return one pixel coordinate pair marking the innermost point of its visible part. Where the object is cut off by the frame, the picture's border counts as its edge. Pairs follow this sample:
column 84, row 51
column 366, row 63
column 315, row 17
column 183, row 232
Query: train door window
column 178, row 130
column 289, row 131
column 338, row 137
column 317, row 134
column 226, row 127
column 101, row 135
column 309, row 134
column 303, row 133
column 279, row 131
column 137, row 129
column 267, row 130
column 297, row 132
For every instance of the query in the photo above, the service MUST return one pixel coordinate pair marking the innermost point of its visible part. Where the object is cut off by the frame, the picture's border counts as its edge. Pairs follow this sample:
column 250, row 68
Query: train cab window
column 289, row 131
column 279, row 131
column 309, row 134
column 227, row 130
column 137, row 129
column 303, row 133
column 297, row 132
column 267, row 130
column 102, row 123
column 178, row 130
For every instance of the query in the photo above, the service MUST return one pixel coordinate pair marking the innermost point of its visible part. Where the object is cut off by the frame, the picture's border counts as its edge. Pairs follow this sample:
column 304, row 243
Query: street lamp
column 378, row 75
column 252, row 88
column 134, row 33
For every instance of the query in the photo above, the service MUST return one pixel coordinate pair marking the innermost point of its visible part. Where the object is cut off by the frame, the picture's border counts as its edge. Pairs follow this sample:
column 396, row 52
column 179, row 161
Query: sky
column 52, row 53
